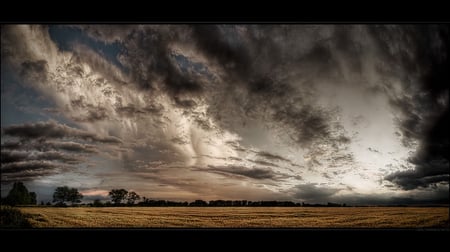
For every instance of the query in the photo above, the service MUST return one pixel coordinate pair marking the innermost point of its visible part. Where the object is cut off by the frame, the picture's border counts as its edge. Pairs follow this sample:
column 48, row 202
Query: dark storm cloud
column 253, row 59
column 274, row 158
column 150, row 60
column 313, row 193
column 211, row 41
column 235, row 145
column 338, row 160
column 41, row 145
column 351, row 49
column 424, row 54
column 34, row 69
column 209, row 156
column 254, row 173
column 262, row 162
column 423, row 175
column 71, row 146
column 29, row 175
column 13, row 156
column 321, row 58
column 54, row 130
column 310, row 123
column 184, row 103
column 42, row 149
column 145, row 157
column 131, row 110
column 271, row 156
column 325, row 175
column 24, row 166
column 92, row 114
column 271, row 99
column 16, row 156
column 203, row 123
column 437, row 196
column 12, row 145
column 411, row 125
column 373, row 150
column 32, row 159
column 78, row 103
column 431, row 155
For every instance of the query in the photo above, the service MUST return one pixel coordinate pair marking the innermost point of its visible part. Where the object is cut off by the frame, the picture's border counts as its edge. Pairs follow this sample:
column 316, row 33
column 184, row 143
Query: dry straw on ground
column 239, row 217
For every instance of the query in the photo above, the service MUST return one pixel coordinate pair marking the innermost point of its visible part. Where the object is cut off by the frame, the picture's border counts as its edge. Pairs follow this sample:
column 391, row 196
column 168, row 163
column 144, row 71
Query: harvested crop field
column 238, row 217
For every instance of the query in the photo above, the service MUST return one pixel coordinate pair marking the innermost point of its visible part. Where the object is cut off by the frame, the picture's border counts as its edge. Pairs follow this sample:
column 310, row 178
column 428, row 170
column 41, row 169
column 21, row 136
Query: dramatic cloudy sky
column 354, row 114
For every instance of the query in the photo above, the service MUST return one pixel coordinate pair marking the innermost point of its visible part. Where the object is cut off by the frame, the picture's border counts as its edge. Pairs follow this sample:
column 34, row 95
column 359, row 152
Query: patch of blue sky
column 64, row 37
column 186, row 65
column 23, row 104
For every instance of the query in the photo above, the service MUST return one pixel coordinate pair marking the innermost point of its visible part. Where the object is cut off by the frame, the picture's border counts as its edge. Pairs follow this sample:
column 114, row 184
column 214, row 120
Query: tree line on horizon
column 19, row 195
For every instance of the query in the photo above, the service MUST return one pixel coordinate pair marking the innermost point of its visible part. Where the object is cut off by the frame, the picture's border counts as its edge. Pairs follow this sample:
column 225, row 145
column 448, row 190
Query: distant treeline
column 19, row 195
column 215, row 203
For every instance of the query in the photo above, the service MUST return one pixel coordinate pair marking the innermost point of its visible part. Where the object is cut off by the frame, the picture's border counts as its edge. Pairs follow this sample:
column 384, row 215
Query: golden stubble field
column 238, row 217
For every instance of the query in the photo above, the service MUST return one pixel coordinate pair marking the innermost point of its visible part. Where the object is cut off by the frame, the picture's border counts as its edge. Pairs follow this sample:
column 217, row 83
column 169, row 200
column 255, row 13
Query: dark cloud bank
column 45, row 148
column 424, row 105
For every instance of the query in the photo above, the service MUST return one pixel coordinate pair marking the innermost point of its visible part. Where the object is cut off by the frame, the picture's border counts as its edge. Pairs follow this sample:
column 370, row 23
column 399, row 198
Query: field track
column 238, row 217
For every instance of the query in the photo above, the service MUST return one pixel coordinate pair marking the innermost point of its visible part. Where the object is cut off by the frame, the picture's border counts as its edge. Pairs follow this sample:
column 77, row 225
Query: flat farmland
column 238, row 217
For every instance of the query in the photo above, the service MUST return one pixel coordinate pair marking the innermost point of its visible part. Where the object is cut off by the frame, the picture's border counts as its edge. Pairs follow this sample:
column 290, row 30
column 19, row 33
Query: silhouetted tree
column 64, row 193
column 33, row 199
column 198, row 203
column 19, row 195
column 330, row 204
column 132, row 197
column 75, row 196
column 118, row 195
column 97, row 203
column 60, row 194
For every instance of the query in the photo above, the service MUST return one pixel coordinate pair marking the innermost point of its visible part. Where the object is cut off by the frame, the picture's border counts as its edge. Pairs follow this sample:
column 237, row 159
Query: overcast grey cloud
column 157, row 107
column 424, row 106
column 423, row 175
column 16, row 156
column 43, row 145
column 270, row 156
column 314, row 193
column 52, row 130
column 43, row 148
column 254, row 173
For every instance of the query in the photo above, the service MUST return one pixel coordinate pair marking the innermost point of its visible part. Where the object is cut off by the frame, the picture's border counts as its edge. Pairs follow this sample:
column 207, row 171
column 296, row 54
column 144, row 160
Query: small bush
column 13, row 218
column 60, row 204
